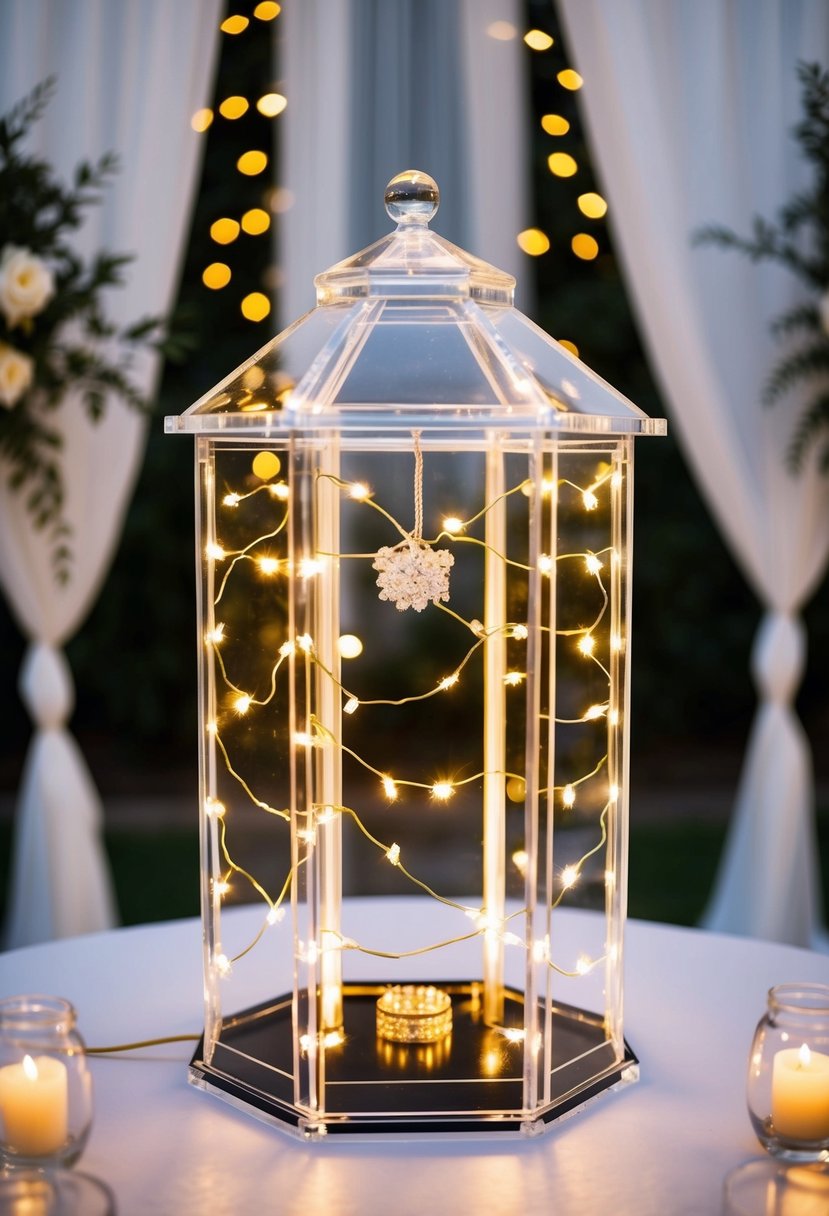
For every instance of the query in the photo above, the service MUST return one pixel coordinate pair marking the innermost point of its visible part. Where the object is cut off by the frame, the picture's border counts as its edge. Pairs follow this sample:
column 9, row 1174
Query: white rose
column 16, row 373
column 823, row 309
column 26, row 284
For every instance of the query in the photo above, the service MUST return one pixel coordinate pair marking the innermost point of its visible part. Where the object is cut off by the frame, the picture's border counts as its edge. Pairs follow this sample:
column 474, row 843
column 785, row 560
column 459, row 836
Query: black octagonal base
column 468, row 1082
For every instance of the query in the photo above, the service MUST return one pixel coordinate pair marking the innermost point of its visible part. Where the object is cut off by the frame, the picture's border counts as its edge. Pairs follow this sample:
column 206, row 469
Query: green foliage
column 66, row 340
column 799, row 241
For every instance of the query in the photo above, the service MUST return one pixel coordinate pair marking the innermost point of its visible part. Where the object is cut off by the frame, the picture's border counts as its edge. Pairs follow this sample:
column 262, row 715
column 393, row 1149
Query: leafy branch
column 799, row 241
column 54, row 331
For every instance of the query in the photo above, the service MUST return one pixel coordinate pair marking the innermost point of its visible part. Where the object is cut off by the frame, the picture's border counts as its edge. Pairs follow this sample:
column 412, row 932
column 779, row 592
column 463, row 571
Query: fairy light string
column 453, row 532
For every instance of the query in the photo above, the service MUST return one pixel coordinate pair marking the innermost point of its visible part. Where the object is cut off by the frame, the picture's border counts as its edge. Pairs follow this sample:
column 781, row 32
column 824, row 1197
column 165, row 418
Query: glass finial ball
column 412, row 197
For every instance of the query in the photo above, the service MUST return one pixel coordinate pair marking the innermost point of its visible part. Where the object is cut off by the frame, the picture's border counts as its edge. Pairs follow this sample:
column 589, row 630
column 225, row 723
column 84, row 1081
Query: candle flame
column 804, row 1056
column 30, row 1068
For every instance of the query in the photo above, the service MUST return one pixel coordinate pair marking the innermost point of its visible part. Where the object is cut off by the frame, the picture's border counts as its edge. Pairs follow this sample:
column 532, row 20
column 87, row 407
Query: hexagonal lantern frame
column 414, row 462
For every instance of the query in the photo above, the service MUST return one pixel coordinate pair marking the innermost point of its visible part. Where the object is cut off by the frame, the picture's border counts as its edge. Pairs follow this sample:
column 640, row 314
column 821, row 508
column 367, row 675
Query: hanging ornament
column 411, row 573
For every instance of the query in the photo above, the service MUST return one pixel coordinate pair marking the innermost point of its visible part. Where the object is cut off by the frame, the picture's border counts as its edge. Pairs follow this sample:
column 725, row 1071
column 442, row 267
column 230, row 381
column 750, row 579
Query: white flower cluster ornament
column 411, row 573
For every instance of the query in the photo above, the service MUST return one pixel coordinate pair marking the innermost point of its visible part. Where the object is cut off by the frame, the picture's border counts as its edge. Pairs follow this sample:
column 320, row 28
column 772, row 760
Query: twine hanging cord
column 418, row 486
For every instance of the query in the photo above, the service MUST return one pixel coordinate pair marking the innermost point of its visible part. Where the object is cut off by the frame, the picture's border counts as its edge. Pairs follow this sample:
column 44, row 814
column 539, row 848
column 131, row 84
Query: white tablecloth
column 657, row 1148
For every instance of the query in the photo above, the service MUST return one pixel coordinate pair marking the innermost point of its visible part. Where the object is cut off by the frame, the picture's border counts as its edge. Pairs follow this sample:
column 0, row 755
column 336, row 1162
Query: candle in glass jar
column 800, row 1094
column 34, row 1104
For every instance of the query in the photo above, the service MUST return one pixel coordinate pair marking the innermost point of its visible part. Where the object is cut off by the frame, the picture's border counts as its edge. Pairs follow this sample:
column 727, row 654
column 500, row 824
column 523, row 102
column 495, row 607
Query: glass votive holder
column 788, row 1074
column 45, row 1084
column 54, row 1193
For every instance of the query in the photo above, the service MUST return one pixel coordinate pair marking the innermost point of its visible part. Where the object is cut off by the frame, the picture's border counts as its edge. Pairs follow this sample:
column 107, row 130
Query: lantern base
column 468, row 1082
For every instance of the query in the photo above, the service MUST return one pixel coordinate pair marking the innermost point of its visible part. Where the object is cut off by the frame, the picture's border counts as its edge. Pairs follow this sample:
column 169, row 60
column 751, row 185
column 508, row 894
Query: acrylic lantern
column 413, row 553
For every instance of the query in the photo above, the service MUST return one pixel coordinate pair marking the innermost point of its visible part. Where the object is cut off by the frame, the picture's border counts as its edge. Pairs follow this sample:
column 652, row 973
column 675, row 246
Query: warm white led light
column 590, row 500
column 268, row 565
column 359, row 491
column 540, row 951
column 275, row 915
column 452, row 524
column 242, row 703
column 512, row 1034
column 583, row 964
column 389, row 789
column 587, row 644
column 280, row 489
column 545, row 563
column 568, row 795
column 231, row 500
column 569, row 877
column 214, row 808
column 285, row 649
column 521, row 632
column 393, row 854
column 221, row 887
column 351, row 704
column 593, row 564
column 594, row 712
column 448, row 681
column 214, row 551
column 303, row 739
column 305, row 642
column 520, row 859
column 309, row 566
column 223, row 965
column 442, row 790
column 514, row 678
column 216, row 635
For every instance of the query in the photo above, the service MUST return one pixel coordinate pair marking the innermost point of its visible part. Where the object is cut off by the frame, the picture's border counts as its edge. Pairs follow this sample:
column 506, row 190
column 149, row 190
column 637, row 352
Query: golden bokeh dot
column 349, row 646
column 554, row 124
column 561, row 164
column 516, row 789
column 216, row 275
column 502, row 31
column 537, row 40
column 585, row 246
column 253, row 378
column 256, row 306
column 568, row 345
column 533, row 241
column 202, row 119
column 592, row 205
column 271, row 104
column 235, row 24
column 224, row 231
column 568, row 79
column 267, row 10
column 256, row 221
column 234, row 107
column 265, row 465
column 251, row 163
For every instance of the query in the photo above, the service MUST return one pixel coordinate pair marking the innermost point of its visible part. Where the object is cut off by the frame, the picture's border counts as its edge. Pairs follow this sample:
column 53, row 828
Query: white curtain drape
column 130, row 73
column 690, row 105
column 374, row 88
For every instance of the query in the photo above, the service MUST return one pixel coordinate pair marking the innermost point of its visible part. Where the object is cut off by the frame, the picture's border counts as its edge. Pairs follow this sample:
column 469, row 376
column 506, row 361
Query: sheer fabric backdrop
column 374, row 88
column 129, row 76
column 690, row 107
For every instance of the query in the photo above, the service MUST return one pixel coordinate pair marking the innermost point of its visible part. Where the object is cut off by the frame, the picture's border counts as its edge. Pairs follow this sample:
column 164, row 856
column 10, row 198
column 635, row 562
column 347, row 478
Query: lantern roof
column 413, row 331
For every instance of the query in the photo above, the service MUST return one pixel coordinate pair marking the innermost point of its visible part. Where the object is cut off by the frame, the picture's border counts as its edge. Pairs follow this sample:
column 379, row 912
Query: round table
column 661, row 1147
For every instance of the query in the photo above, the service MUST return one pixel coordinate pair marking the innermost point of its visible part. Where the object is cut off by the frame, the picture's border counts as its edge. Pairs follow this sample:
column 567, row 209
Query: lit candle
column 34, row 1105
column 800, row 1094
